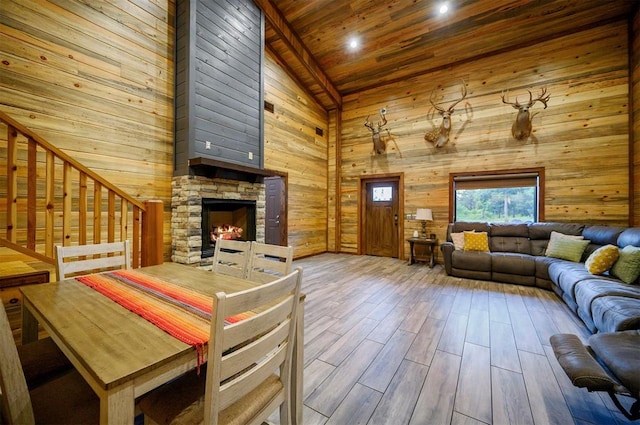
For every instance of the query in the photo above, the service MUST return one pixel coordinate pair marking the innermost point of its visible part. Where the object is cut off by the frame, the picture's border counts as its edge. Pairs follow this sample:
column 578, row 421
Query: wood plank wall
column 292, row 145
column 582, row 138
column 96, row 80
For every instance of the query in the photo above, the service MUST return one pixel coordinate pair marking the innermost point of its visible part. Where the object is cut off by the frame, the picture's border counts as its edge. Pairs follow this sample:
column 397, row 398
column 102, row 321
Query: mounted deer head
column 521, row 128
column 379, row 145
column 440, row 136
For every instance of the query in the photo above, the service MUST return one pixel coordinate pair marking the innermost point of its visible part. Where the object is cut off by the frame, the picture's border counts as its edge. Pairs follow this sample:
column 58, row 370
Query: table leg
column 411, row 257
column 29, row 325
column 117, row 406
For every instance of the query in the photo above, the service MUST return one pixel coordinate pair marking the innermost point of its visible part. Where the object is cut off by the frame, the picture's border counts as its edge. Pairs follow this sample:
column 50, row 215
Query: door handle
column 395, row 219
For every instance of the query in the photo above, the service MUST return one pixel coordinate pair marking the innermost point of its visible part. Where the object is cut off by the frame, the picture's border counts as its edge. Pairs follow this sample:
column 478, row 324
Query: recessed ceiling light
column 353, row 43
column 444, row 8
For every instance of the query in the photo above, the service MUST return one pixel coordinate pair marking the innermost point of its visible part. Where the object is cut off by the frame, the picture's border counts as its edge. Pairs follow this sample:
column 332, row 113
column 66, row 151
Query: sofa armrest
column 447, row 249
column 579, row 365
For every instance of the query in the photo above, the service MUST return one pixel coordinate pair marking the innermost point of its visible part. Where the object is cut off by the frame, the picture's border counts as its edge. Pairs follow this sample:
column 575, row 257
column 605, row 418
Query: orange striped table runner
column 183, row 313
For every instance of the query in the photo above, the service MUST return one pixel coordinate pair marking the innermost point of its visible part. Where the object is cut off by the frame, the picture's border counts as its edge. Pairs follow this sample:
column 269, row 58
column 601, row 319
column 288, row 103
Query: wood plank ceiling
column 403, row 38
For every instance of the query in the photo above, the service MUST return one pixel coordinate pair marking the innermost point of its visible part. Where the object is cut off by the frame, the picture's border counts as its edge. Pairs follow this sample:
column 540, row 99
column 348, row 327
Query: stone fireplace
column 220, row 199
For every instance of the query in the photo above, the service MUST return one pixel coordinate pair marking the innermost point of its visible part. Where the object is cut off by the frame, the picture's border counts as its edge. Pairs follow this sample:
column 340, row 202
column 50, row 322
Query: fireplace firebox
column 227, row 219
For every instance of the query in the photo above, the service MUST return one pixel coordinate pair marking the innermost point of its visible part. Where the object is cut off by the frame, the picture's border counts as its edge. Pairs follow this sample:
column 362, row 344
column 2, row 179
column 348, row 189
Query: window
column 382, row 193
column 499, row 196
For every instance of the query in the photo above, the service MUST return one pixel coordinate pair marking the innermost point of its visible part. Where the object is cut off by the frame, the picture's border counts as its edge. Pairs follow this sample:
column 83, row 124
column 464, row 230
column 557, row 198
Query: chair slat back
column 262, row 342
column 269, row 262
column 82, row 259
column 231, row 257
column 16, row 403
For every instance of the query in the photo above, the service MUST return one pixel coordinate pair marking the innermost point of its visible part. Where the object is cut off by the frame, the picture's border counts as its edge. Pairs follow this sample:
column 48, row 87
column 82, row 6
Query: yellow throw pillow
column 476, row 241
column 602, row 259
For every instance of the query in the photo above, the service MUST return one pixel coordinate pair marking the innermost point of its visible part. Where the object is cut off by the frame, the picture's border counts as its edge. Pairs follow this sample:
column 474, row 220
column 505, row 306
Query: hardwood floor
column 388, row 343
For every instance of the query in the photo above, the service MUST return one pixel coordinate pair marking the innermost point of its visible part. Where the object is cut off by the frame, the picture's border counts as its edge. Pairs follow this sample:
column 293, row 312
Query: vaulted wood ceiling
column 404, row 38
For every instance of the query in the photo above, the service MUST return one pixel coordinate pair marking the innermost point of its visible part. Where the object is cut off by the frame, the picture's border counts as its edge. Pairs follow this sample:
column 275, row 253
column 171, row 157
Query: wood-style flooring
column 389, row 343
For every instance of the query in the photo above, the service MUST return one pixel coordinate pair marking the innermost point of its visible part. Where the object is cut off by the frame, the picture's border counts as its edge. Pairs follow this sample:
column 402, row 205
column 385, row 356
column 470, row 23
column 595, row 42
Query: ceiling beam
column 297, row 47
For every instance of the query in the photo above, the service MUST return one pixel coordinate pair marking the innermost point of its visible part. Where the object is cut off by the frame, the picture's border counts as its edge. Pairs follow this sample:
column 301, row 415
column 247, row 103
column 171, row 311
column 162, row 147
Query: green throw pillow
column 627, row 268
column 568, row 249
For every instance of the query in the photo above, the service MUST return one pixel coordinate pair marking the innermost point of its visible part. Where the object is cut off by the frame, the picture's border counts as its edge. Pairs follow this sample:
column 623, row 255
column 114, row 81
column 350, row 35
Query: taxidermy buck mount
column 379, row 145
column 440, row 136
column 521, row 128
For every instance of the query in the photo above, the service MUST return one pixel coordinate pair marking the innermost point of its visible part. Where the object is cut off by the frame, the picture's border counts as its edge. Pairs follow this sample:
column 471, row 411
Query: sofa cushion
column 513, row 263
column 602, row 259
column 630, row 236
column 542, row 266
column 566, row 275
column 509, row 238
column 520, row 230
column 539, row 234
column 602, row 235
column 590, row 289
column 543, row 230
column 613, row 313
column 476, row 241
column 468, row 226
column 567, row 249
column 471, row 260
column 627, row 268
column 513, row 268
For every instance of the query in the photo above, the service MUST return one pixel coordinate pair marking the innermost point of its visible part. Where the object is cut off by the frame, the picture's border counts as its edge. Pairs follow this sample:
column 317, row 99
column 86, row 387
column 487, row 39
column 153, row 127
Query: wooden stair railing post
column 152, row 233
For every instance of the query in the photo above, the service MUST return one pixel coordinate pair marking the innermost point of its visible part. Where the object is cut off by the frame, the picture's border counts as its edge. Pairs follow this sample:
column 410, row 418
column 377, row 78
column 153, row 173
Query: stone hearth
column 186, row 212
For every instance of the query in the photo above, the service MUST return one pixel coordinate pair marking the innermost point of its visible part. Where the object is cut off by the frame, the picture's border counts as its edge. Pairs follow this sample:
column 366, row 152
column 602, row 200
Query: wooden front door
column 381, row 218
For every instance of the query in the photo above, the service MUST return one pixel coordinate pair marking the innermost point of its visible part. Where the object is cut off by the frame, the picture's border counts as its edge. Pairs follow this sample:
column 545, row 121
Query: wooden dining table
column 120, row 354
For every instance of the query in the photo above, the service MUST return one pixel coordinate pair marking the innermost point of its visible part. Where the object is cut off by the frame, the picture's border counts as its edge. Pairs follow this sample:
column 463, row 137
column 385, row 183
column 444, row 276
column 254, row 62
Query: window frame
column 497, row 175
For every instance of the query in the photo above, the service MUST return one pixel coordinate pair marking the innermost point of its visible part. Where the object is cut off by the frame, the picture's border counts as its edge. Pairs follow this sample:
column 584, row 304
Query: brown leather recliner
column 619, row 352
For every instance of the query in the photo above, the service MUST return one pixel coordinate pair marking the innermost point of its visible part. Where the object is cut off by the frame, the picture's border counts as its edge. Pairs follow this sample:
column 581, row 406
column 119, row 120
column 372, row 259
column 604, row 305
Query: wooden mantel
column 212, row 168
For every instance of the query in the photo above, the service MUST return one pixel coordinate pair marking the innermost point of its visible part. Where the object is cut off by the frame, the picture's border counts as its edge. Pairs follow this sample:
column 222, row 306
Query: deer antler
column 450, row 108
column 464, row 94
column 542, row 98
column 431, row 100
column 514, row 104
column 368, row 124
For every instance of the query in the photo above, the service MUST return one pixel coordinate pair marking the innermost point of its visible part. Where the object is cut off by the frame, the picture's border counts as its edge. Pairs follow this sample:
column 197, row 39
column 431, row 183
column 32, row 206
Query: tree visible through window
column 513, row 196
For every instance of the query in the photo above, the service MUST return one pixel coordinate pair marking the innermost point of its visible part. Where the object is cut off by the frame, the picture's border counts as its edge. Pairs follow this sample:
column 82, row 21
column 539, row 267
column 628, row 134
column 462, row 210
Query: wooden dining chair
column 248, row 371
column 231, row 257
column 82, row 259
column 268, row 262
column 67, row 399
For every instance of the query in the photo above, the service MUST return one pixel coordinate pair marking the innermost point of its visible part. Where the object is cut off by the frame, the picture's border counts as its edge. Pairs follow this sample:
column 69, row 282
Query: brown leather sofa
column 517, row 256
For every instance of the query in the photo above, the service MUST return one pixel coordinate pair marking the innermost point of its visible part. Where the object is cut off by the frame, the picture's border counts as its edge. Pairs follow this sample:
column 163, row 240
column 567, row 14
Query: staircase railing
column 52, row 199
